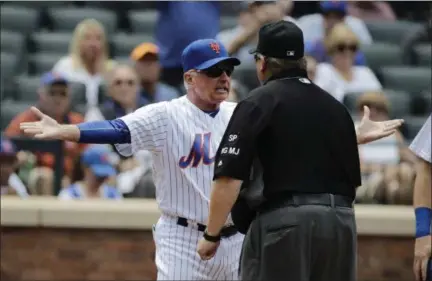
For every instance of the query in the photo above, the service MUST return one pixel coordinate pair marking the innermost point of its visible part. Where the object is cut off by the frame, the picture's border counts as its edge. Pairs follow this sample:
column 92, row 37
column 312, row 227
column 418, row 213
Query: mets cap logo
column 215, row 47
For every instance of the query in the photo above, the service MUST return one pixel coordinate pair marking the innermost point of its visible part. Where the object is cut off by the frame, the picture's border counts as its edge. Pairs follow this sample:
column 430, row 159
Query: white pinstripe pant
column 177, row 258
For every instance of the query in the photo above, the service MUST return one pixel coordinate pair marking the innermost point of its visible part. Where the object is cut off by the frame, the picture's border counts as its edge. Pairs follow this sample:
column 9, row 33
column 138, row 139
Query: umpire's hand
column 422, row 254
column 207, row 249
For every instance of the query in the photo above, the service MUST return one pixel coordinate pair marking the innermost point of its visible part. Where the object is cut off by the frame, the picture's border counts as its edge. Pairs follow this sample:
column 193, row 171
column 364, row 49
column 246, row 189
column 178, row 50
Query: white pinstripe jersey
column 183, row 140
column 421, row 145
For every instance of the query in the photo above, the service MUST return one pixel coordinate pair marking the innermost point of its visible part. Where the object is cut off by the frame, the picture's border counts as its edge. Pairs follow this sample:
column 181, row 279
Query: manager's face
column 211, row 85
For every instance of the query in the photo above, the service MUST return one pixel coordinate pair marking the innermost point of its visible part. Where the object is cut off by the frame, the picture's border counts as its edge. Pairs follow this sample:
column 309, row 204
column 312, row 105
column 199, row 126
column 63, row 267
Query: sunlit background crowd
column 81, row 61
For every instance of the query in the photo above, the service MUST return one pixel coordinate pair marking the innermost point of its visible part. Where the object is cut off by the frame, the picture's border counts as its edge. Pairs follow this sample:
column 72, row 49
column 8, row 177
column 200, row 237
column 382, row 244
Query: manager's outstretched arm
column 101, row 132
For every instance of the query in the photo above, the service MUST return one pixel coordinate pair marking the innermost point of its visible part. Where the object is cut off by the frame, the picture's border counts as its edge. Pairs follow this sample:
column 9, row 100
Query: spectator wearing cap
column 315, row 26
column 54, row 100
column 98, row 167
column 147, row 66
column 341, row 76
column 9, row 181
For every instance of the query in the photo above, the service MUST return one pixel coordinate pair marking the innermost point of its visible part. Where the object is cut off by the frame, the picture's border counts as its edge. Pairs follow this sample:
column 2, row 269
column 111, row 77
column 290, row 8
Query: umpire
column 306, row 142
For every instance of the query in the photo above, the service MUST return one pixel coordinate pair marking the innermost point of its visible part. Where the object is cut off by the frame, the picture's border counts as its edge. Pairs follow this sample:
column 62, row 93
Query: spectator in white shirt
column 315, row 26
column 98, row 163
column 87, row 62
column 341, row 76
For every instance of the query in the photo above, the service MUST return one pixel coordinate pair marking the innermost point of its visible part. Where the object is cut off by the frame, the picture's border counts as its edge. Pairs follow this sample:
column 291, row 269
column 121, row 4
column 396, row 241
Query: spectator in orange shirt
column 54, row 101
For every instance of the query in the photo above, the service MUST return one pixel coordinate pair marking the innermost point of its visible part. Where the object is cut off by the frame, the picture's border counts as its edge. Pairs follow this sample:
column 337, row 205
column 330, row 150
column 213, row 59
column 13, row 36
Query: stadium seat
column 246, row 74
column 19, row 19
column 382, row 54
column 412, row 126
column 12, row 42
column 26, row 88
column 143, row 21
column 228, row 22
column 390, row 31
column 9, row 65
column 10, row 109
column 421, row 104
column 123, row 44
column 423, row 53
column 66, row 19
column 405, row 78
column 42, row 62
column 51, row 42
column 77, row 93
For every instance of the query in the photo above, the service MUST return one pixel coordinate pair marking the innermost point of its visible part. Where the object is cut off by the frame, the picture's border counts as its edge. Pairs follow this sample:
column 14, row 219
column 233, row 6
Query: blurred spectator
column 136, row 177
column 148, row 67
column 239, row 40
column 318, row 50
column 98, row 167
column 341, row 76
column 54, row 100
column 87, row 62
column 387, row 164
column 311, row 65
column 421, row 35
column 315, row 26
column 9, row 181
column 237, row 91
column 180, row 23
column 371, row 10
column 123, row 93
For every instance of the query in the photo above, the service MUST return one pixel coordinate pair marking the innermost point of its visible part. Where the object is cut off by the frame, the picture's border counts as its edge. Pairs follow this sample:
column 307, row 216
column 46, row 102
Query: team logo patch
column 215, row 47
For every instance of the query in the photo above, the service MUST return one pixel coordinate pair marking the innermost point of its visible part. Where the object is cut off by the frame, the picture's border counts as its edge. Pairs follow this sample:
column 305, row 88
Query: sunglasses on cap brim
column 217, row 70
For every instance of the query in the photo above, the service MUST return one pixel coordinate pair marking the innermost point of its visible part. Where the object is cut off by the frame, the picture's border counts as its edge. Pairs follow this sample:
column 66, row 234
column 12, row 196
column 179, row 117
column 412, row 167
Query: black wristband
column 211, row 238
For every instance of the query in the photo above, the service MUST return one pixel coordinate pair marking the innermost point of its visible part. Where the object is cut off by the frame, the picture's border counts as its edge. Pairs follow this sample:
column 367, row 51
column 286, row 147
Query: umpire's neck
column 274, row 69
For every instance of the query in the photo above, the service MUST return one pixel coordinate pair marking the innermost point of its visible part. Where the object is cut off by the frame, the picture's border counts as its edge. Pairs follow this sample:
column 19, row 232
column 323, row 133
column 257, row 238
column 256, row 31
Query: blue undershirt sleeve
column 104, row 132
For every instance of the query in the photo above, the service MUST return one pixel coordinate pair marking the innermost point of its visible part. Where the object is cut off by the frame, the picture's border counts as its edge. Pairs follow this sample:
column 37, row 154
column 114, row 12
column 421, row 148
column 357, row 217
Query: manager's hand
column 369, row 130
column 49, row 129
column 422, row 254
column 45, row 128
column 207, row 249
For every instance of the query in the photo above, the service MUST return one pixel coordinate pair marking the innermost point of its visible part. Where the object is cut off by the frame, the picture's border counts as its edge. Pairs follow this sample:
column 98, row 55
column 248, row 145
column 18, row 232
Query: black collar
column 289, row 73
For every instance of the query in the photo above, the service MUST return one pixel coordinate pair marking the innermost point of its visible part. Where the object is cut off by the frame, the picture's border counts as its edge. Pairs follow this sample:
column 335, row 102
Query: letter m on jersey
column 200, row 152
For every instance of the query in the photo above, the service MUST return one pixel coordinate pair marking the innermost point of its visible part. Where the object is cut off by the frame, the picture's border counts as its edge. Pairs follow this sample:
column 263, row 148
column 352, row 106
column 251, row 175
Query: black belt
column 226, row 231
column 323, row 199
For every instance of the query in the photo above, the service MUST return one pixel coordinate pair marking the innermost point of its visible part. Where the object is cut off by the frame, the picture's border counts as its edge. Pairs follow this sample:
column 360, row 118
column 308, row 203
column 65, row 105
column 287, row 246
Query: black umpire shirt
column 304, row 138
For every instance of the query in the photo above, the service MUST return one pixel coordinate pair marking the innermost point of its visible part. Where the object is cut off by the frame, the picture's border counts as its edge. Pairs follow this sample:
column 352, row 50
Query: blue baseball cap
column 205, row 53
column 50, row 78
column 7, row 147
column 97, row 158
column 333, row 6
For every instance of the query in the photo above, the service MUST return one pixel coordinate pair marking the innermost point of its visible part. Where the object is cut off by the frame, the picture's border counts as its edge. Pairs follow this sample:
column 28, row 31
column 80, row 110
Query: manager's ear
column 187, row 77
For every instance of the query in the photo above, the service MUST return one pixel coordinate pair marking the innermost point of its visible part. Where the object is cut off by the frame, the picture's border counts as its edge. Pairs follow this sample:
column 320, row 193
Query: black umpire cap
column 282, row 40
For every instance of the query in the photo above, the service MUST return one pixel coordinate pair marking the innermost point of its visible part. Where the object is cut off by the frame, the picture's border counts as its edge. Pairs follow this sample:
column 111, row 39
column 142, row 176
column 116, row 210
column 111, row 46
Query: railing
column 48, row 146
